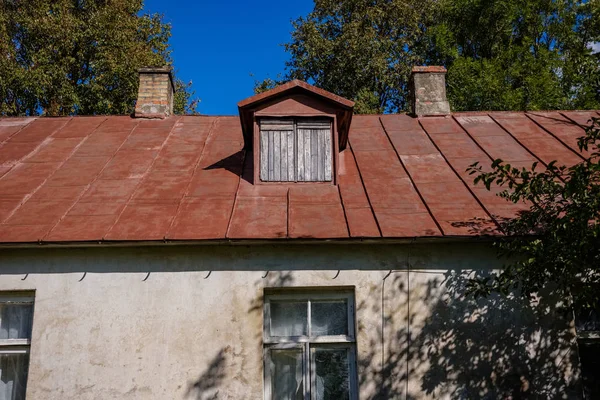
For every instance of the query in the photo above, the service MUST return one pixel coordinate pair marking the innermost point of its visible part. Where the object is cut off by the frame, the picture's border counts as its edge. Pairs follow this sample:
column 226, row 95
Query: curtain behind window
column 15, row 323
column 286, row 375
column 13, row 376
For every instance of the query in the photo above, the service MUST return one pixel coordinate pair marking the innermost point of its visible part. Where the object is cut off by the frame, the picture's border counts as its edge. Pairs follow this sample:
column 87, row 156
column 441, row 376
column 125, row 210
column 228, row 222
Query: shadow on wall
column 206, row 387
column 453, row 346
column 270, row 279
column 461, row 348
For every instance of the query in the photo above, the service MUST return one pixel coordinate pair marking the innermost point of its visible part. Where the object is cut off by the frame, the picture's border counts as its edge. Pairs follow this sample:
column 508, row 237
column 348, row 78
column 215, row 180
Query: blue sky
column 218, row 44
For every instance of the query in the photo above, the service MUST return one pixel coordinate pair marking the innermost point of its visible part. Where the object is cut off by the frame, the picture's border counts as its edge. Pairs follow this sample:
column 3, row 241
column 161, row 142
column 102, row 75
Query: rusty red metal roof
column 95, row 179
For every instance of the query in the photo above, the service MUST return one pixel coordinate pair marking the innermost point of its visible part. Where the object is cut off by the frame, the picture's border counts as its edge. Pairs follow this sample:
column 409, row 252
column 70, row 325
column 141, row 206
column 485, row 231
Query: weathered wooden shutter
column 277, row 151
column 314, row 141
column 295, row 150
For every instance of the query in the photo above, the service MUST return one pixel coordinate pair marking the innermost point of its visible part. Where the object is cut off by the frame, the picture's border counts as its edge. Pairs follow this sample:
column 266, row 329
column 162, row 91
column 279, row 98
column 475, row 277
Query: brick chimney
column 155, row 93
column 428, row 91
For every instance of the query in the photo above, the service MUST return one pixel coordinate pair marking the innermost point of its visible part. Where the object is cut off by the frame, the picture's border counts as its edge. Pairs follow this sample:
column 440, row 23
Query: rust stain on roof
column 190, row 178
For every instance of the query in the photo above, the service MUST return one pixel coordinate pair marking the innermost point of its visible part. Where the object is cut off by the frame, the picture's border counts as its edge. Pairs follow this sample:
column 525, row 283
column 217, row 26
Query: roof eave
column 246, row 242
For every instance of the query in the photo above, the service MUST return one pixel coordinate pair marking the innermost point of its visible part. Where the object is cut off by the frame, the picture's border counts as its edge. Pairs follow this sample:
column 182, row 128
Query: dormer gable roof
column 290, row 87
column 343, row 107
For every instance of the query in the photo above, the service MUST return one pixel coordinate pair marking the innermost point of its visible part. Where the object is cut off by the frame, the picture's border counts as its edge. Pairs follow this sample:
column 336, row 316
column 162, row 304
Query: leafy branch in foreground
column 556, row 243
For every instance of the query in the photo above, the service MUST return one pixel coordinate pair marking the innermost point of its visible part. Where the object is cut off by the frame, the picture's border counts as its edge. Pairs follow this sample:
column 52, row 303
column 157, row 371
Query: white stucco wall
column 192, row 329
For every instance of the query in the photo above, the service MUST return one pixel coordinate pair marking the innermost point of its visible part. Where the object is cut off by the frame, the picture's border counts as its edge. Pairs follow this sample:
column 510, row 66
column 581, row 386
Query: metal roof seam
column 128, row 201
column 517, row 140
column 32, row 152
column 16, row 132
column 458, row 175
column 481, row 204
column 564, row 114
column 93, row 180
column 439, row 226
column 235, row 196
column 344, row 210
column 29, row 195
column 87, row 186
column 475, row 141
column 362, row 181
column 554, row 136
column 35, row 150
column 504, row 129
column 187, row 189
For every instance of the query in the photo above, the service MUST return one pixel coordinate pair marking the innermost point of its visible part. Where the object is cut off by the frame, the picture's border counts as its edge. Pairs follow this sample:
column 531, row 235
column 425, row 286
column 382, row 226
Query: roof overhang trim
column 247, row 242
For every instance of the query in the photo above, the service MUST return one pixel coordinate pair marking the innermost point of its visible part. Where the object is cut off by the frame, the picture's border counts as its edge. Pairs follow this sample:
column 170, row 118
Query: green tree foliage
column 266, row 84
column 500, row 55
column 185, row 101
column 556, row 243
column 360, row 49
column 62, row 57
column 519, row 55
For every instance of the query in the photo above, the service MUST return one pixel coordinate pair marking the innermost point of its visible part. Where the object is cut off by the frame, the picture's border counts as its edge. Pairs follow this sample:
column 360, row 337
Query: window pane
column 588, row 320
column 589, row 355
column 286, row 375
column 332, row 371
column 15, row 321
column 289, row 318
column 329, row 318
column 13, row 376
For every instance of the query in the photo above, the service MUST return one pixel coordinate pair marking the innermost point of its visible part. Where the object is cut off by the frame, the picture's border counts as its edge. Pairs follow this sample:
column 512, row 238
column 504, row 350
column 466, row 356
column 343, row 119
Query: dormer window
column 295, row 133
column 296, row 150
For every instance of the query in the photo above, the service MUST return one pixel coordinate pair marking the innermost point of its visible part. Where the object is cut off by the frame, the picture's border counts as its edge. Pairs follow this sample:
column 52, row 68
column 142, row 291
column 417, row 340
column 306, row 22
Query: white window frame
column 307, row 343
column 16, row 346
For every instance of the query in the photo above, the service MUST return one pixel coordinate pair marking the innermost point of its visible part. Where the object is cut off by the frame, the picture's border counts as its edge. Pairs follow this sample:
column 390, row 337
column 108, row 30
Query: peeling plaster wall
column 185, row 322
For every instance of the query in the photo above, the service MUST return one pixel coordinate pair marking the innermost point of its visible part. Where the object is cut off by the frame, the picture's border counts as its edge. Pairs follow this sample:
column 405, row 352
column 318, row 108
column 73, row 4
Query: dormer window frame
column 258, row 116
column 295, row 99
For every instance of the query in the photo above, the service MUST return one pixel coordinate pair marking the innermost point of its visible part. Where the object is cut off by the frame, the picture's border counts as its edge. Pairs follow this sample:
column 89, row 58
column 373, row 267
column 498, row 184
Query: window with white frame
column 16, row 317
column 310, row 345
column 296, row 150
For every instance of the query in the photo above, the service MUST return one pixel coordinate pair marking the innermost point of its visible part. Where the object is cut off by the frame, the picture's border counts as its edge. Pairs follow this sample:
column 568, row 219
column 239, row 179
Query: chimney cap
column 432, row 69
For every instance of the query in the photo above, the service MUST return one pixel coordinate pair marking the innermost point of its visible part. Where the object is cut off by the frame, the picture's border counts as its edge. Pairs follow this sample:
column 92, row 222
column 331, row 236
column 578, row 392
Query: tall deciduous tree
column 519, row 55
column 505, row 54
column 61, row 57
column 360, row 49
